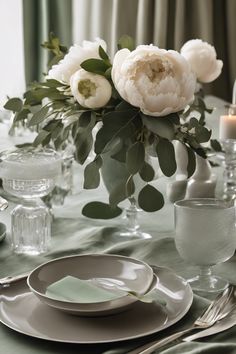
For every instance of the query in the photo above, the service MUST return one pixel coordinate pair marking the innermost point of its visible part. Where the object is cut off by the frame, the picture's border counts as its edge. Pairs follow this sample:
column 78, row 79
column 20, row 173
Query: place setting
column 92, row 299
column 109, row 299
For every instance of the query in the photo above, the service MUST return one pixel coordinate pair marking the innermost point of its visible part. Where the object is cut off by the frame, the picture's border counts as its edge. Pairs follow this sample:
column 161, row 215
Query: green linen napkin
column 74, row 289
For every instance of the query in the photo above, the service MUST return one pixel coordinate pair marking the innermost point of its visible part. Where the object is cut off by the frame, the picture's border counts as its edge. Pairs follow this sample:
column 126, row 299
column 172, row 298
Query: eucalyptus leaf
column 96, row 66
column 150, row 199
column 58, row 105
column 118, row 194
column 173, row 118
column 111, row 145
column 51, row 125
column 124, row 106
column 14, row 104
column 191, row 162
column 53, row 94
column 107, row 74
column 55, row 60
column 119, row 118
column 85, row 119
column 57, row 130
column 115, row 124
column 166, row 156
column 39, row 116
column 24, row 145
column 83, row 145
column 91, row 175
column 216, row 146
column 120, row 155
column 193, row 123
column 34, row 97
column 201, row 152
column 52, row 83
column 203, row 135
column 163, row 127
column 135, row 157
column 103, row 55
column 40, row 138
column 21, row 115
column 126, row 42
column 99, row 210
column 147, row 172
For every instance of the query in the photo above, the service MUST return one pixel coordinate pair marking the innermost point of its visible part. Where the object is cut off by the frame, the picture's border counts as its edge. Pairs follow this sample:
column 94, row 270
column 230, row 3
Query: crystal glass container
column 30, row 174
column 205, row 236
column 227, row 135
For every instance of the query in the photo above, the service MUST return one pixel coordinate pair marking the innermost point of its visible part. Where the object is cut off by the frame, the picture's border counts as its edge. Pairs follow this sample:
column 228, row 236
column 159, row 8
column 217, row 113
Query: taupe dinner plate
column 107, row 271
column 23, row 312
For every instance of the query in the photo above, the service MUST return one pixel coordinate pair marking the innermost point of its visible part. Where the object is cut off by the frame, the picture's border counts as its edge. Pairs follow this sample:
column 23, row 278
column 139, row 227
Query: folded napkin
column 83, row 291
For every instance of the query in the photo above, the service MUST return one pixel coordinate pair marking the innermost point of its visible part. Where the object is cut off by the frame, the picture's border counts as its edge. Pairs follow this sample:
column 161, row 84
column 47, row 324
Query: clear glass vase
column 132, row 229
column 114, row 173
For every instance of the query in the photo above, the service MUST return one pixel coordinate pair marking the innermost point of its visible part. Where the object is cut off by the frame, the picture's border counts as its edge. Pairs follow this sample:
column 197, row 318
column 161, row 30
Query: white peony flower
column 76, row 55
column 202, row 58
column 90, row 90
column 157, row 81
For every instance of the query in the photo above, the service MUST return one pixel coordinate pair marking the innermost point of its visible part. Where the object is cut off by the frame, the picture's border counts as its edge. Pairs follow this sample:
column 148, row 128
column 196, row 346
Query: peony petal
column 202, row 58
column 73, row 59
column 211, row 76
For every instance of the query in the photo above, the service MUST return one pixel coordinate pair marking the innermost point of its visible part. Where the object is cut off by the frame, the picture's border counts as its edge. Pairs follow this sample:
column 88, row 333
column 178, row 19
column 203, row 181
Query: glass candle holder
column 228, row 161
column 30, row 174
column 227, row 136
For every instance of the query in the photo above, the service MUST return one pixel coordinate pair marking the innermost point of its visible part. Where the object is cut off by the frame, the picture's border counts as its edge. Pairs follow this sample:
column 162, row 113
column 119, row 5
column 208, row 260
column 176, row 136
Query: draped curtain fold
column 166, row 23
column 40, row 18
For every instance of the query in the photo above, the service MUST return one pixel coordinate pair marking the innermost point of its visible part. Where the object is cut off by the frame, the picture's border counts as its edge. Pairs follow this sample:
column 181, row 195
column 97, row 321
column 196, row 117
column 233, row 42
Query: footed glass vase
column 113, row 173
column 131, row 229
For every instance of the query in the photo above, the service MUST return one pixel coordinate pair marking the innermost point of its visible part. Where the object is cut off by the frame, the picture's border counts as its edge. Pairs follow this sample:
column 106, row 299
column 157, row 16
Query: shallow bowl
column 110, row 271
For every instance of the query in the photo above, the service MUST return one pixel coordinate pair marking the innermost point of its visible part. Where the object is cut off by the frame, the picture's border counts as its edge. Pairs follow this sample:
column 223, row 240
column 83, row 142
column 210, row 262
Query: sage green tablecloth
column 75, row 234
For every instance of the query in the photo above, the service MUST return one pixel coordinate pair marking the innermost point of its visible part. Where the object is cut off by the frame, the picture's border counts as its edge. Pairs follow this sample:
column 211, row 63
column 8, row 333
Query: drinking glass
column 205, row 236
column 30, row 174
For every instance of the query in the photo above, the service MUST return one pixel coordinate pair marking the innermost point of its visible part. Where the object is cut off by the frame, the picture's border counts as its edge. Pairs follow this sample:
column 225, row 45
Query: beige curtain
column 166, row 23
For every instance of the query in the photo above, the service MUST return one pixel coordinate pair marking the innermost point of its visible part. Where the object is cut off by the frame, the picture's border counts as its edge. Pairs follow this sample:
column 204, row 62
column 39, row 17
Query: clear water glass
column 30, row 174
column 205, row 235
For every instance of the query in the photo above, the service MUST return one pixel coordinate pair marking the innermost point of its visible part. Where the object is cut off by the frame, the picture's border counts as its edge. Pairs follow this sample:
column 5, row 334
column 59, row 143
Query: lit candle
column 227, row 129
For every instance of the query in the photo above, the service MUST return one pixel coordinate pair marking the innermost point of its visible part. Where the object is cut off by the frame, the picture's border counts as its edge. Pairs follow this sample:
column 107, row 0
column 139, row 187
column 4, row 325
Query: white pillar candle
column 227, row 127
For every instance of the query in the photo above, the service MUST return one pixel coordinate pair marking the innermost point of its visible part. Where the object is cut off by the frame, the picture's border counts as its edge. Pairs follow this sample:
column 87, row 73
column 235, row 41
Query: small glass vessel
column 205, row 236
column 30, row 174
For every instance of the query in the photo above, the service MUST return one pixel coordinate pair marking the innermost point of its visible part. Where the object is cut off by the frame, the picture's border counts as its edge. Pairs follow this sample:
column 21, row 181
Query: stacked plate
column 91, row 285
column 94, row 298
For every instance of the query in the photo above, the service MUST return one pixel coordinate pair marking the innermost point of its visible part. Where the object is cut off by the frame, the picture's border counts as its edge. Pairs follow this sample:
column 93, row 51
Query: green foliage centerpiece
column 139, row 102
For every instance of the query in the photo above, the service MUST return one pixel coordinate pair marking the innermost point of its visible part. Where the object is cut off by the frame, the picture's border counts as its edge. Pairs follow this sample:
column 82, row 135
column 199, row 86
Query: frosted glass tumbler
column 205, row 235
column 30, row 174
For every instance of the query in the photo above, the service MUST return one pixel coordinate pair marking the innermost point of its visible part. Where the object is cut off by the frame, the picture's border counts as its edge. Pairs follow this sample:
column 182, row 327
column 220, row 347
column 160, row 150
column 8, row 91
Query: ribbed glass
column 31, row 229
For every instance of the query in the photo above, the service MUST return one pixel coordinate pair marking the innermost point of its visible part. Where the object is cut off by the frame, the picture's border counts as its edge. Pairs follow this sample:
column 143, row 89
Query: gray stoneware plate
column 23, row 312
column 109, row 271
